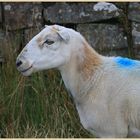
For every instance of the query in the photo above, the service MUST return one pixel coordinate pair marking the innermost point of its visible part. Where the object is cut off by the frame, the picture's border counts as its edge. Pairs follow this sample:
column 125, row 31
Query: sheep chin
column 28, row 71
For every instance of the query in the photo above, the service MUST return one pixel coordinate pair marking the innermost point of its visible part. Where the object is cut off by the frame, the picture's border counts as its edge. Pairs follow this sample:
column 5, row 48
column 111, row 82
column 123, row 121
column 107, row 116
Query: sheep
column 105, row 90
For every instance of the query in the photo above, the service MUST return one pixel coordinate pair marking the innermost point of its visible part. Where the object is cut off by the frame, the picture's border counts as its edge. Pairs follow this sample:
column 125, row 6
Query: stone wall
column 111, row 28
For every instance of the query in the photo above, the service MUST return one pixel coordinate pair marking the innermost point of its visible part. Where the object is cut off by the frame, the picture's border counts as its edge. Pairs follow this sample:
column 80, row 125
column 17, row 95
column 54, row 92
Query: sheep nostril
column 18, row 63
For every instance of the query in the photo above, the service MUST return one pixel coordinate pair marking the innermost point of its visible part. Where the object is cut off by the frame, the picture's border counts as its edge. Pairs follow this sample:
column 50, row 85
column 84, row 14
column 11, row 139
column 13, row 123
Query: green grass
column 36, row 106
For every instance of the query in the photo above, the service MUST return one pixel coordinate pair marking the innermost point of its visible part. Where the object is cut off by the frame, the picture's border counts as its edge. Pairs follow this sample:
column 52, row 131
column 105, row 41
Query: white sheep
column 106, row 90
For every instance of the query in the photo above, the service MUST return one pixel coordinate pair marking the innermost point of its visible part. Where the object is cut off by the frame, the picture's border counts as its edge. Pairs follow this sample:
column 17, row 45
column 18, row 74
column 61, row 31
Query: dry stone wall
column 110, row 28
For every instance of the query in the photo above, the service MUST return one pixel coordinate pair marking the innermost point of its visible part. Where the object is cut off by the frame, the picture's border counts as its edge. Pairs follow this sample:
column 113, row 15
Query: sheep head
column 49, row 49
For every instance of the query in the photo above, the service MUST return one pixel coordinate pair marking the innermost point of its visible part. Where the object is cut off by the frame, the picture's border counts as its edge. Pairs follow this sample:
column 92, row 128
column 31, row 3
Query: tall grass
column 36, row 106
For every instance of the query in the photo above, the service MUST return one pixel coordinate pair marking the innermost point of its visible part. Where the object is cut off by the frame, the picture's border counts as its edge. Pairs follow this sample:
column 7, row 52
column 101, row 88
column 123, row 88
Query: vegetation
column 36, row 106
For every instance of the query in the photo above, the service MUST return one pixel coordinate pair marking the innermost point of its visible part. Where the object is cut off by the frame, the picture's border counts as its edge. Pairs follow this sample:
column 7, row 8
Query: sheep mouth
column 26, row 69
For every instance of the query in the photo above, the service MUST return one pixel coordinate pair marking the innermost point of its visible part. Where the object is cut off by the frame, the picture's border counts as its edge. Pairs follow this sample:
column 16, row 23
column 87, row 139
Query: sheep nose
column 18, row 63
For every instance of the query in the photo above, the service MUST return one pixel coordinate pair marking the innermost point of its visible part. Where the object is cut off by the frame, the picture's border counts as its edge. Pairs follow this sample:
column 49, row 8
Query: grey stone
column 12, row 39
column 104, row 37
column 136, row 34
column 1, row 59
column 121, row 52
column 2, row 36
column 134, row 11
column 0, row 13
column 136, row 38
column 121, row 5
column 137, row 53
column 30, row 33
column 22, row 15
column 79, row 13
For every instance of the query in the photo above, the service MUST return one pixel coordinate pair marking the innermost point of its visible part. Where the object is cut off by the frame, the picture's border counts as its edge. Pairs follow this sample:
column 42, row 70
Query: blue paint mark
column 126, row 62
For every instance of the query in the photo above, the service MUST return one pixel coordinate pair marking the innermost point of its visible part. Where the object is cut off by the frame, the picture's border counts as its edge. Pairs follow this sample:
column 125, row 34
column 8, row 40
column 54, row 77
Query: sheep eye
column 49, row 42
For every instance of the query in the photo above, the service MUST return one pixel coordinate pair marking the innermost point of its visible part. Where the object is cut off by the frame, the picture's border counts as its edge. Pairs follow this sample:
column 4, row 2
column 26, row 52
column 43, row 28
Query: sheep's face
column 48, row 49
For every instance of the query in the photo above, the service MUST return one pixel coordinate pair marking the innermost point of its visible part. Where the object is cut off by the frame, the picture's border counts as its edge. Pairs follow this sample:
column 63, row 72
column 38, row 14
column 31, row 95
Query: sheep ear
column 64, row 35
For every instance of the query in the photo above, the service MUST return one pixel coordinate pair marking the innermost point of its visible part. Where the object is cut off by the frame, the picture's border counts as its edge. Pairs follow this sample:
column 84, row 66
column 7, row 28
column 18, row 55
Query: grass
column 36, row 106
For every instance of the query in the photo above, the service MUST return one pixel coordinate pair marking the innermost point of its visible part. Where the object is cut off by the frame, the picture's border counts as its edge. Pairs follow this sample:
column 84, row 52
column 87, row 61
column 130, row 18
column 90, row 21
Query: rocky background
column 111, row 28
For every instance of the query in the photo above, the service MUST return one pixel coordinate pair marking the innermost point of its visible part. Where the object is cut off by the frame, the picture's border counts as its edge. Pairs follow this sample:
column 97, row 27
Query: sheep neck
column 78, row 73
